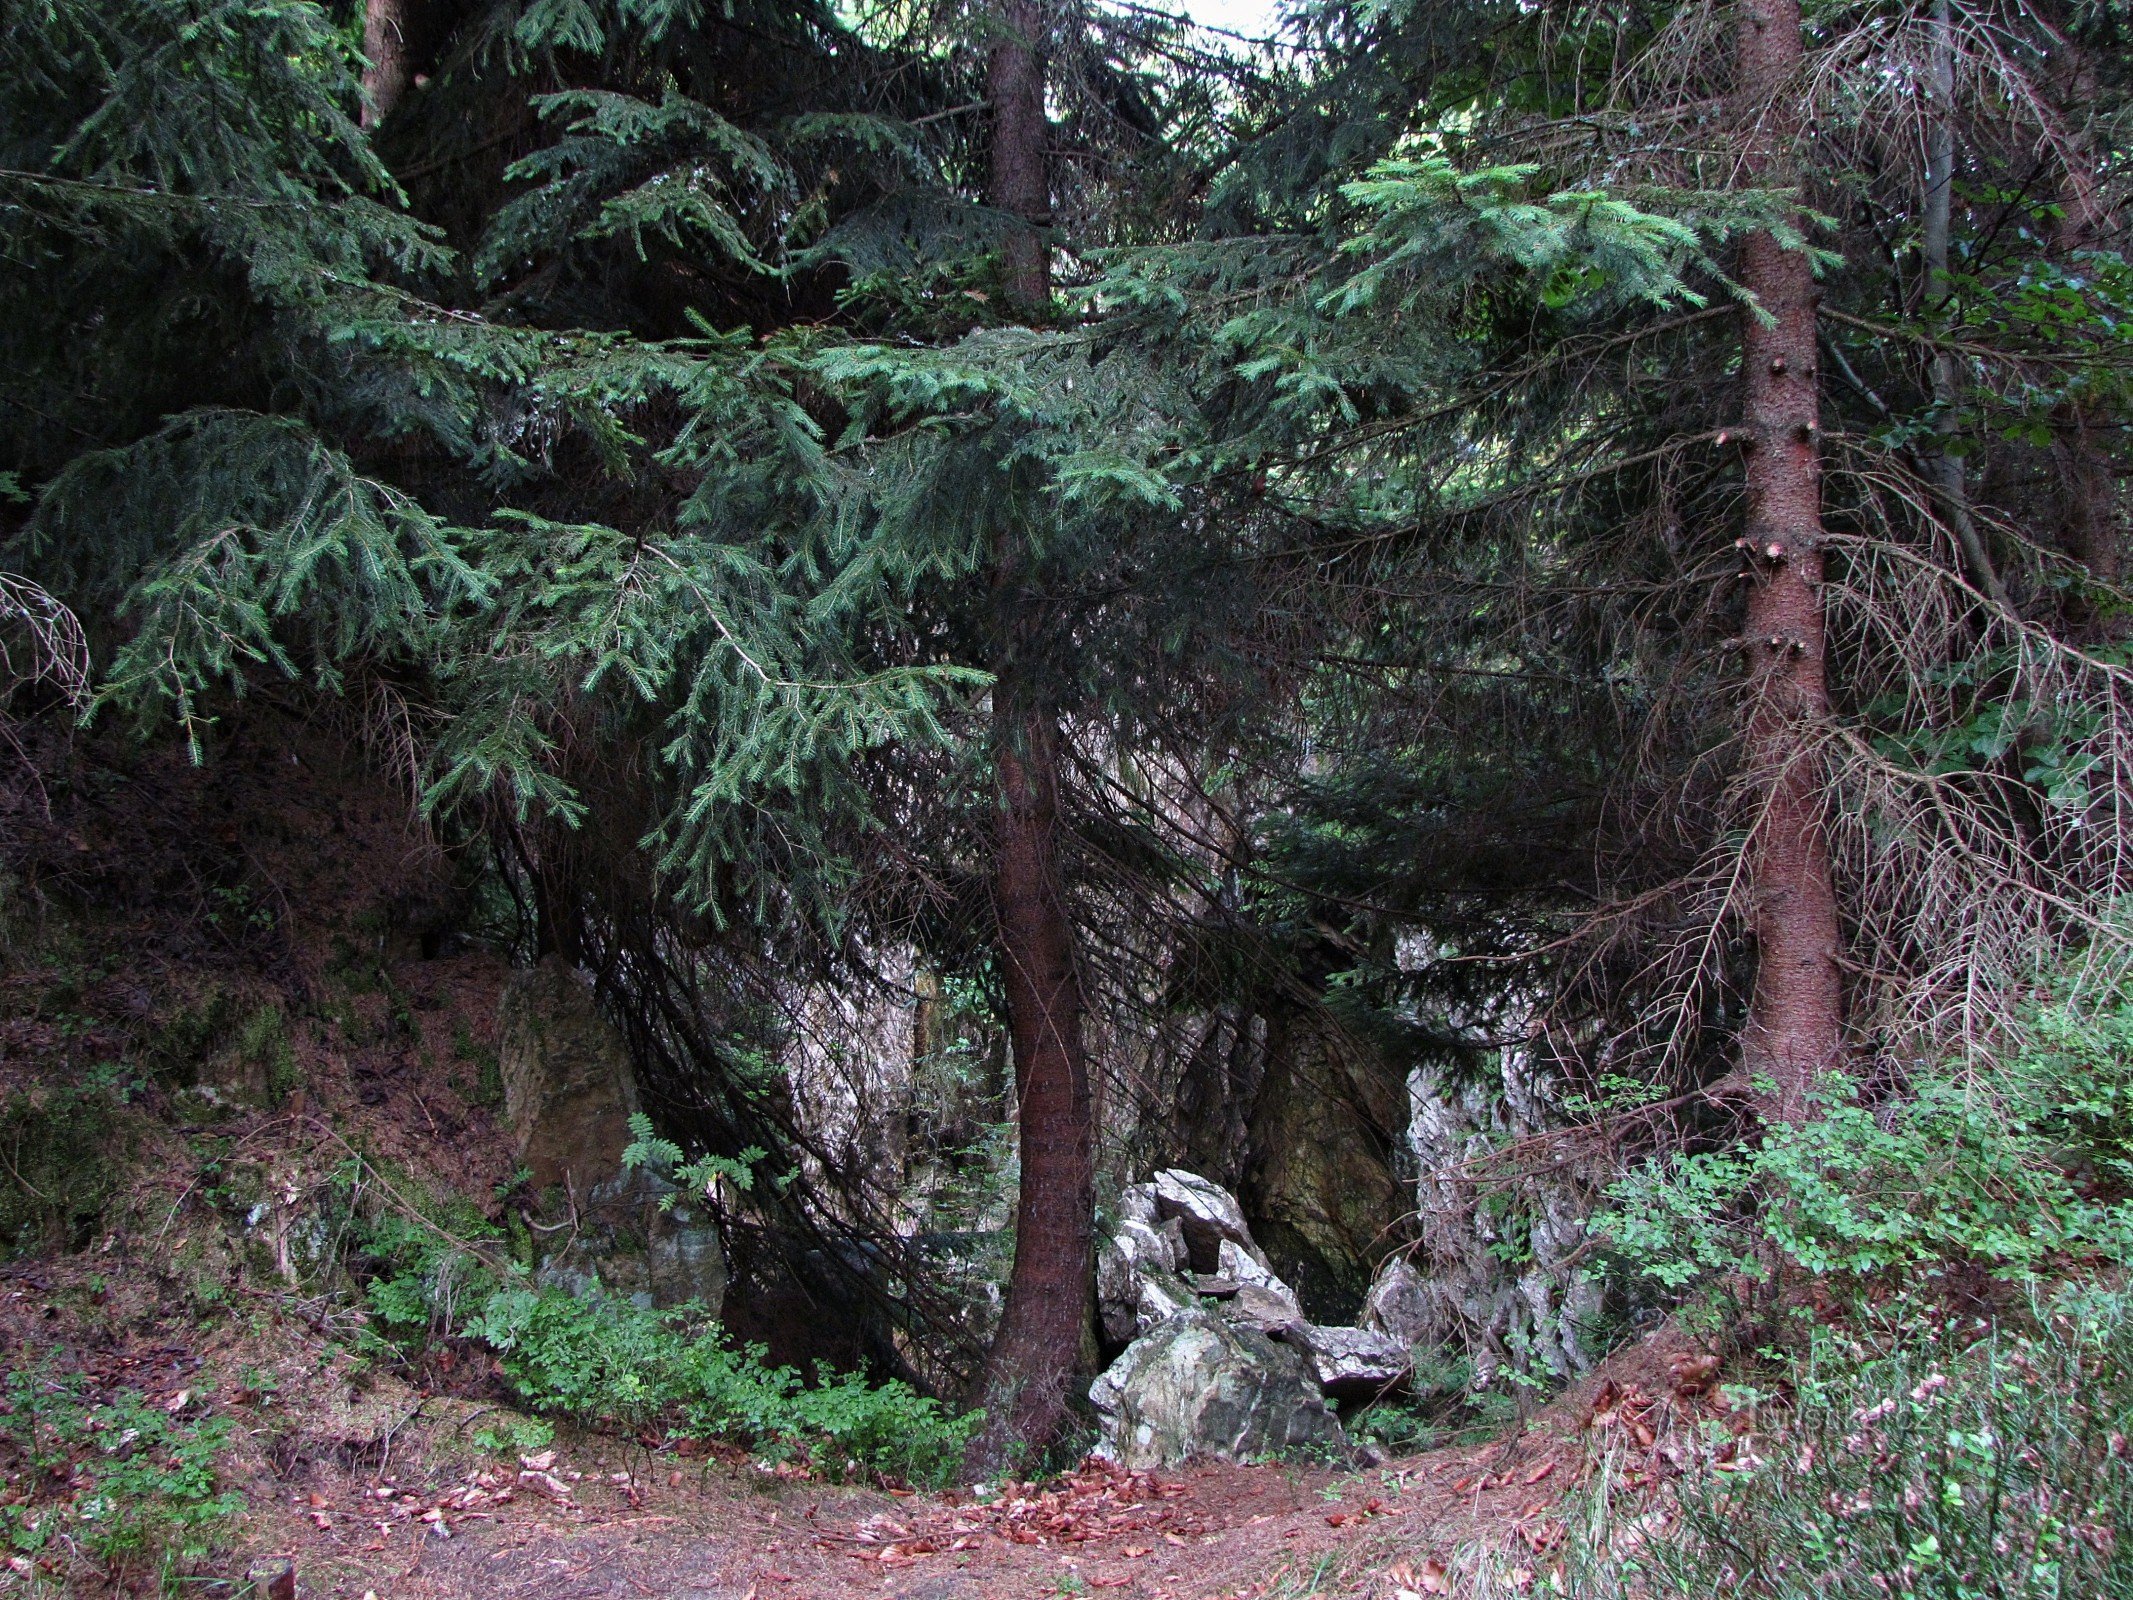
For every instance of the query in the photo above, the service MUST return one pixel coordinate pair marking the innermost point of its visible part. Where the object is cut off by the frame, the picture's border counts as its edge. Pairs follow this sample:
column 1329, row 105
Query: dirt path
column 728, row 1531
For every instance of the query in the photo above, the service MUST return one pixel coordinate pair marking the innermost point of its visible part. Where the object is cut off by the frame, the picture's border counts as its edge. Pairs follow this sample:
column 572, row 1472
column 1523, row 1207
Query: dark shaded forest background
column 1500, row 626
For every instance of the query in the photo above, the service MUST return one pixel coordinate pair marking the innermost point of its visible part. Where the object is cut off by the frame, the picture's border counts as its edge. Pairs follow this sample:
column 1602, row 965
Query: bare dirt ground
column 375, row 1483
column 722, row 1531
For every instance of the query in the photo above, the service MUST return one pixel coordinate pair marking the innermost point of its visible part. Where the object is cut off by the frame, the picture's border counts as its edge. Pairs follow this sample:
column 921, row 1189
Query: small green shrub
column 2020, row 1170
column 428, row 1271
column 607, row 1363
column 422, row 1264
column 666, row 1159
column 1925, row 1452
column 121, row 1487
column 512, row 1436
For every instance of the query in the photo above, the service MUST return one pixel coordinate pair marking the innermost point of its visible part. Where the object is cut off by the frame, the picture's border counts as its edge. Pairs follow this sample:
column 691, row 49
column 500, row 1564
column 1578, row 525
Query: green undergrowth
column 2020, row 1168
column 442, row 1273
column 1949, row 1459
column 1961, row 1459
column 1932, row 1293
column 1442, row 1405
column 118, row 1492
column 611, row 1364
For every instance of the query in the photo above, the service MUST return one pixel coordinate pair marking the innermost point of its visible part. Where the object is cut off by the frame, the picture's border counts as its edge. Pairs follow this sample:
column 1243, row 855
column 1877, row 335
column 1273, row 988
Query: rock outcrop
column 1398, row 1302
column 1352, row 1363
column 1218, row 1342
column 1199, row 1386
column 1469, row 1298
column 568, row 1087
column 1206, row 1214
column 568, row 1096
column 1320, row 1166
column 631, row 1243
column 1138, row 1277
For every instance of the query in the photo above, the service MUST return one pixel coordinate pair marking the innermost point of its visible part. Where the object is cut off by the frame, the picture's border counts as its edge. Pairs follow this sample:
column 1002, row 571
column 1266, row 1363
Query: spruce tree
column 1561, row 468
column 1038, row 1346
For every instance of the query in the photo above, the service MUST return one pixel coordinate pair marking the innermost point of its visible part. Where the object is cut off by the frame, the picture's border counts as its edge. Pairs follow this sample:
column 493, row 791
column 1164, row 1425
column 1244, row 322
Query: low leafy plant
column 2021, row 1169
column 1959, row 1462
column 429, row 1270
column 663, row 1158
column 515, row 1436
column 1925, row 1450
column 421, row 1267
column 120, row 1487
column 608, row 1363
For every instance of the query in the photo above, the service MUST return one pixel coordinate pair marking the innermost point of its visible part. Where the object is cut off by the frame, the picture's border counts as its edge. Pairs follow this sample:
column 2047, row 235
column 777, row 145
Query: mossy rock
column 568, row 1087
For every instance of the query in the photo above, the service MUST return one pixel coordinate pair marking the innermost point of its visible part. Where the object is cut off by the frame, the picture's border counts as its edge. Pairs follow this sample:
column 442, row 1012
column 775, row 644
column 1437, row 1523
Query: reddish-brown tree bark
column 388, row 64
column 1794, row 1032
column 1037, row 1349
column 1021, row 183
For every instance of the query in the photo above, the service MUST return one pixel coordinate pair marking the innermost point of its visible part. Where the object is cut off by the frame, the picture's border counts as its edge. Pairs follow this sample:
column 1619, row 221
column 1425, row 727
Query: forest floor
column 247, row 931
column 734, row 1533
column 368, row 1484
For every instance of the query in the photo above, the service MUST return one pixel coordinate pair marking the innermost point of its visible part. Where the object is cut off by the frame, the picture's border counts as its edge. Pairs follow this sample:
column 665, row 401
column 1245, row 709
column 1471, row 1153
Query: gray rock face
column 568, row 1088
column 1471, row 1298
column 568, row 1095
column 1252, row 1272
column 1139, row 1256
column 628, row 1245
column 685, row 1259
column 1398, row 1303
column 1196, row 1386
column 1207, row 1213
column 1351, row 1363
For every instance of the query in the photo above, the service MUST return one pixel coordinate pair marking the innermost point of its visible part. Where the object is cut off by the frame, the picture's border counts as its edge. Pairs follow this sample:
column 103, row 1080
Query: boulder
column 568, row 1088
column 1255, row 1307
column 1117, row 1291
column 1140, row 1268
column 1251, row 1271
column 1161, row 1297
column 1398, row 1303
column 685, row 1258
column 1206, row 1213
column 1196, row 1386
column 1137, row 1253
column 1351, row 1363
column 1137, row 1204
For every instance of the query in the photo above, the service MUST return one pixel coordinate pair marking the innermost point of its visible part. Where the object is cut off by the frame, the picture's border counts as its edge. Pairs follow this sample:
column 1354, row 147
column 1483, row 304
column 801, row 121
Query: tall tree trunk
column 1795, row 1016
column 387, row 62
column 1039, row 1344
column 1021, row 183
